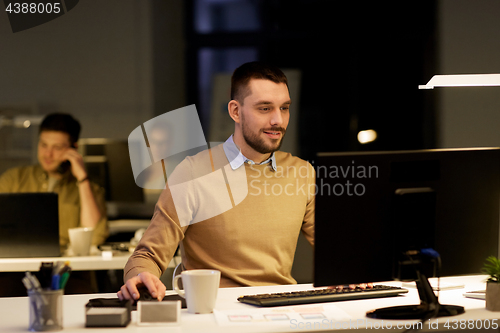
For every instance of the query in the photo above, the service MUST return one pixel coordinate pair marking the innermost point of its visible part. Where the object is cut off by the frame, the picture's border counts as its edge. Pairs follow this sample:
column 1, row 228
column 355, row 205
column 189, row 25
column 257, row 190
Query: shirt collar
column 236, row 158
column 43, row 175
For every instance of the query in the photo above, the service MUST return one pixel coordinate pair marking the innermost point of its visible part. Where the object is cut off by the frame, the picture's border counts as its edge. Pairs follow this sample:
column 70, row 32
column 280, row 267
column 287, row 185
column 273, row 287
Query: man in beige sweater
column 251, row 239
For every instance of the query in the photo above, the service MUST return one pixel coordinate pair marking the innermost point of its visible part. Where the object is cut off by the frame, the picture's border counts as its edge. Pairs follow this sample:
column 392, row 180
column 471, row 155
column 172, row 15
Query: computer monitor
column 108, row 164
column 372, row 206
column 29, row 225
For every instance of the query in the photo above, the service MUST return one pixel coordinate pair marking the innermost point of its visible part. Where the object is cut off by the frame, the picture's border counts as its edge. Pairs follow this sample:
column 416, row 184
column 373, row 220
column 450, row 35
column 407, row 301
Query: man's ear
column 234, row 110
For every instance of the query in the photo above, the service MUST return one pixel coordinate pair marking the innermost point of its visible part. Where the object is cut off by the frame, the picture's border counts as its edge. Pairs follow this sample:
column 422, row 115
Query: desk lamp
column 463, row 80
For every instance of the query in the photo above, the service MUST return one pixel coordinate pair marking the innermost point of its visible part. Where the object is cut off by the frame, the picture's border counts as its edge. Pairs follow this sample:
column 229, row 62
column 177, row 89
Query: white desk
column 87, row 263
column 117, row 226
column 14, row 312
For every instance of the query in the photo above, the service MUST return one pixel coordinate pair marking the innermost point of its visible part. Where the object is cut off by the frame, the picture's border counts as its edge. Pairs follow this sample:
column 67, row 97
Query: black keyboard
column 321, row 295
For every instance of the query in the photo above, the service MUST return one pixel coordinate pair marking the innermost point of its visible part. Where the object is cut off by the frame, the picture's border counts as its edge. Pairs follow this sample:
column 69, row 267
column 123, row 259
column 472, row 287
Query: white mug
column 200, row 289
column 80, row 240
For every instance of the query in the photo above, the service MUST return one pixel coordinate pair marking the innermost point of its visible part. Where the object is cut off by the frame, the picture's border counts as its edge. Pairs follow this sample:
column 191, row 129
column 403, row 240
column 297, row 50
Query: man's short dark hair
column 62, row 122
column 253, row 70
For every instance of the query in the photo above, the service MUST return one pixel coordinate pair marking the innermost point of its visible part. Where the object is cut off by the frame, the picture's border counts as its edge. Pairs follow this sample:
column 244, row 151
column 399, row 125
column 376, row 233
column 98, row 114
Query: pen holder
column 45, row 310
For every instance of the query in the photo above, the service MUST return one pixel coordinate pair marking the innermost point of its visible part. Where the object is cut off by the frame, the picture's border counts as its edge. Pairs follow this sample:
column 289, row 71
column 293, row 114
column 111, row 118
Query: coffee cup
column 80, row 240
column 200, row 289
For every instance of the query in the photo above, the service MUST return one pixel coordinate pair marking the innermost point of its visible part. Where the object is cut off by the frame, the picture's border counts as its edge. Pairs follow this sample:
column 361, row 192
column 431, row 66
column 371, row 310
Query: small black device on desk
column 112, row 312
column 108, row 312
column 321, row 295
column 144, row 295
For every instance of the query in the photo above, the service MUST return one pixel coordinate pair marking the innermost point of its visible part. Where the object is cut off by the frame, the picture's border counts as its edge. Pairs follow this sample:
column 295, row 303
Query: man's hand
column 77, row 165
column 155, row 287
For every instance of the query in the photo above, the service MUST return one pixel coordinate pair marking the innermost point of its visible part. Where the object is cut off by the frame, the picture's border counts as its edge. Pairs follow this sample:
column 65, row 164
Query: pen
column 57, row 267
column 27, row 283
column 64, row 280
column 37, row 301
column 64, row 275
column 56, row 282
column 34, row 283
column 65, row 268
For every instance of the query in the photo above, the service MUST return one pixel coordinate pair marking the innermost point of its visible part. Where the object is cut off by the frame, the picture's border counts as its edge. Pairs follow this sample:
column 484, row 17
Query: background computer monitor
column 361, row 223
column 108, row 164
column 29, row 225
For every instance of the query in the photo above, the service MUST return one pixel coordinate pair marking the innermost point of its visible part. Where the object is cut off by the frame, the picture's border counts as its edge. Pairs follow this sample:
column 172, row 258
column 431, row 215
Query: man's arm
column 308, row 224
column 154, row 251
column 101, row 231
column 90, row 214
column 160, row 241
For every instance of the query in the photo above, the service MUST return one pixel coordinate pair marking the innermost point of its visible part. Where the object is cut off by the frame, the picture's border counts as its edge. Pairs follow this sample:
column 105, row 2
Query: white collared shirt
column 236, row 158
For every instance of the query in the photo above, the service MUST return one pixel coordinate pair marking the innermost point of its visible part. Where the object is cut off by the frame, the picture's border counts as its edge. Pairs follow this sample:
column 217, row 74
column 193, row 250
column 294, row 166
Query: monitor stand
column 429, row 306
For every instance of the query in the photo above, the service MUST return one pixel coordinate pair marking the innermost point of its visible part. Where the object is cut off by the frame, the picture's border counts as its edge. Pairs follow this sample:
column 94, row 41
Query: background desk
column 106, row 281
column 87, row 263
column 15, row 312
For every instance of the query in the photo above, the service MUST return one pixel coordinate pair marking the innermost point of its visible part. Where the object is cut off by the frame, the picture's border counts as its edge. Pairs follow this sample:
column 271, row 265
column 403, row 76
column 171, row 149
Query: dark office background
column 115, row 64
column 360, row 64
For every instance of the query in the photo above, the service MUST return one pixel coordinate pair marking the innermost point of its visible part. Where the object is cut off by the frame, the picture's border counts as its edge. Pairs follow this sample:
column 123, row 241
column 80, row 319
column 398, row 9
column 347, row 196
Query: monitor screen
column 372, row 206
column 29, row 225
column 108, row 164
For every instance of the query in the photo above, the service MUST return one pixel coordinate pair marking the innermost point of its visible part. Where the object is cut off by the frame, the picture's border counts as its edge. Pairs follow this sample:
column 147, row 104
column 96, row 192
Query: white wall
column 469, row 43
column 94, row 62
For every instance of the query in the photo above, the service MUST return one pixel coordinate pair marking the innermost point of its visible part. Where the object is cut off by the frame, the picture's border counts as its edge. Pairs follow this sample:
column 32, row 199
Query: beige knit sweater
column 252, row 241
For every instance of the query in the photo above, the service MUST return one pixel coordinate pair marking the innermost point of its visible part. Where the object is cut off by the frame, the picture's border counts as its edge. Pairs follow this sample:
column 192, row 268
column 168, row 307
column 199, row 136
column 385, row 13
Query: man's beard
column 258, row 144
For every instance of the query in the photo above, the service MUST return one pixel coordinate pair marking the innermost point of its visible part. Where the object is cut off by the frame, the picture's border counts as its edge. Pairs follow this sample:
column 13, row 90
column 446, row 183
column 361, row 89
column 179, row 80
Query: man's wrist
column 79, row 181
